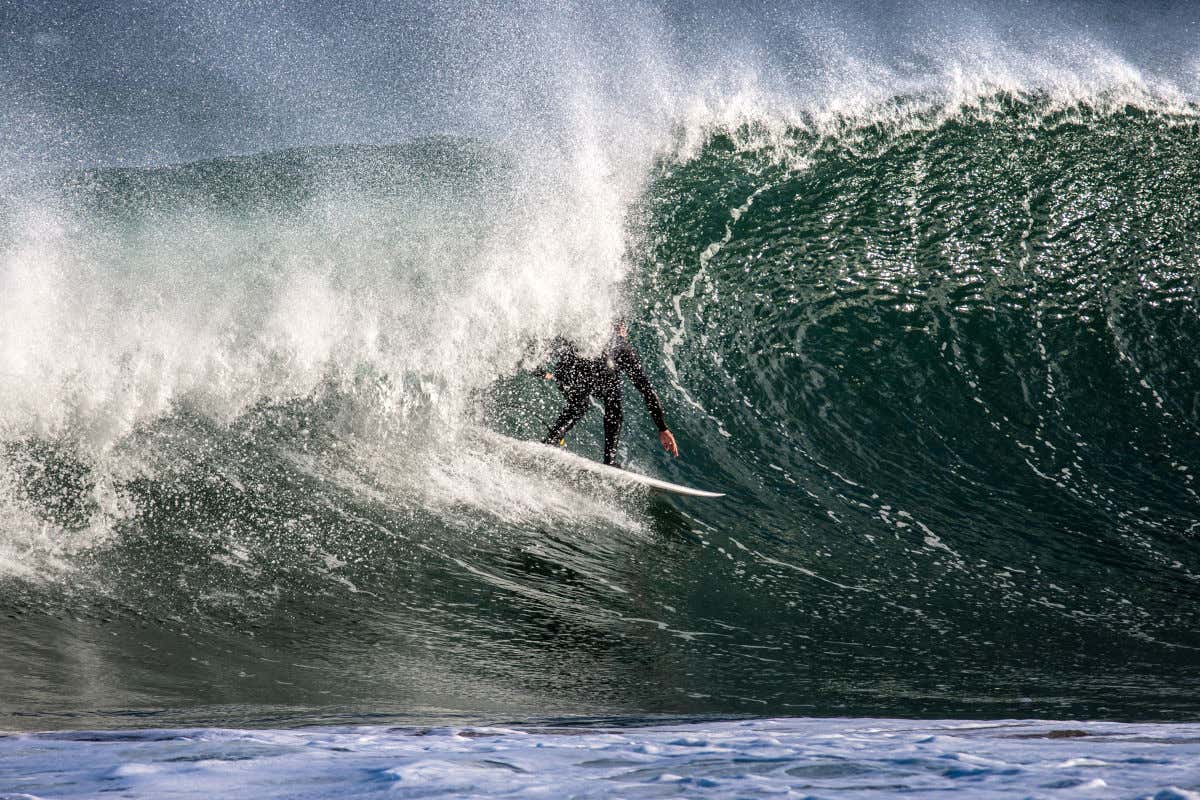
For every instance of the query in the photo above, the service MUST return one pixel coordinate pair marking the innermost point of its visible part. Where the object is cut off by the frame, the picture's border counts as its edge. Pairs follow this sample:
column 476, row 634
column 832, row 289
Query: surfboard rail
column 602, row 470
column 655, row 483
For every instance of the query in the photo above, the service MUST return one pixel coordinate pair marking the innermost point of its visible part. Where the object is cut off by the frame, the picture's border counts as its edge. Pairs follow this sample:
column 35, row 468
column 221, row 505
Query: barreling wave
column 940, row 356
column 951, row 365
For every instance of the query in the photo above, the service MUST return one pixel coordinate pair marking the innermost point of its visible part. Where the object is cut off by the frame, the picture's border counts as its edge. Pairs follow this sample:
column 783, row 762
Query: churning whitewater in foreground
column 760, row 758
column 926, row 308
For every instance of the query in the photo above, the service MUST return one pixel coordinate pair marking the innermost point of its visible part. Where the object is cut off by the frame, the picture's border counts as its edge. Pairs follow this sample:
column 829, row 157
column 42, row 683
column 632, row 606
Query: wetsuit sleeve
column 628, row 360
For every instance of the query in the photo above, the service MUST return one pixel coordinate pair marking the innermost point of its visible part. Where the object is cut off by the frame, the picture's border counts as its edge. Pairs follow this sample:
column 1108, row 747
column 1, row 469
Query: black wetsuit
column 580, row 378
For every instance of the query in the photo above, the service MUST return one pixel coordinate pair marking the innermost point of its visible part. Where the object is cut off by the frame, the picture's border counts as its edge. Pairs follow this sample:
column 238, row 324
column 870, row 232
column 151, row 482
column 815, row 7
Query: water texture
column 925, row 305
column 761, row 758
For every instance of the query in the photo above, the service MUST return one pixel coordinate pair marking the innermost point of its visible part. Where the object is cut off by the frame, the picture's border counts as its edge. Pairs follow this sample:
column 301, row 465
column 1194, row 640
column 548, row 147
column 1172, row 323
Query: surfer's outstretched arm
column 627, row 359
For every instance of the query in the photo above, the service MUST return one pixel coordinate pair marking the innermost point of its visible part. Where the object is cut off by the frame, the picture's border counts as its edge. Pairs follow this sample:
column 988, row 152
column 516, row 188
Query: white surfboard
column 602, row 470
column 645, row 480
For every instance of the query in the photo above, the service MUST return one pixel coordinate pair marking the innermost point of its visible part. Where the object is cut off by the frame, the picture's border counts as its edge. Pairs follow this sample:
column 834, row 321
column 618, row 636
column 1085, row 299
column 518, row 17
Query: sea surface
column 919, row 287
column 776, row 758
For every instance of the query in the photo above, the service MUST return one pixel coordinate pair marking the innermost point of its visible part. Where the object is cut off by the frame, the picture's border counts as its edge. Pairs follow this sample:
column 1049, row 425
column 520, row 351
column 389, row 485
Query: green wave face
column 950, row 366
column 943, row 366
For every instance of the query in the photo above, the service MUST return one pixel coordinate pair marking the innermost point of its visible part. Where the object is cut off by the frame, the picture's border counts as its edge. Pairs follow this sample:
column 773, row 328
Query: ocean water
column 759, row 758
column 918, row 286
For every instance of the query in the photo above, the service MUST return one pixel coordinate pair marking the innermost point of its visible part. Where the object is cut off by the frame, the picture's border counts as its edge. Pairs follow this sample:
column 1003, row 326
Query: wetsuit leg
column 613, row 416
column 573, row 411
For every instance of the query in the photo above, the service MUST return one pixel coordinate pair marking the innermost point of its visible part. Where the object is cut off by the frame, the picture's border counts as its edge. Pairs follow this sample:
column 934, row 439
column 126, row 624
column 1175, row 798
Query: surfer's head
column 620, row 328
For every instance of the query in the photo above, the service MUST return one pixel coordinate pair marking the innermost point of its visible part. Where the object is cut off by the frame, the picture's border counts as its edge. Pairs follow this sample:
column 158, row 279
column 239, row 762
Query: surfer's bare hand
column 549, row 376
column 668, row 442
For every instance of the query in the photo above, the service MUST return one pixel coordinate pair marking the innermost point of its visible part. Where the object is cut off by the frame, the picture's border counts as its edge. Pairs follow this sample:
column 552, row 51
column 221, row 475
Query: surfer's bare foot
column 668, row 442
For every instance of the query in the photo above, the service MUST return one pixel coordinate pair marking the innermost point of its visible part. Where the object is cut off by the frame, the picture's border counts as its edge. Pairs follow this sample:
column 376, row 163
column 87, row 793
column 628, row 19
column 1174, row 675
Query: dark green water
column 944, row 369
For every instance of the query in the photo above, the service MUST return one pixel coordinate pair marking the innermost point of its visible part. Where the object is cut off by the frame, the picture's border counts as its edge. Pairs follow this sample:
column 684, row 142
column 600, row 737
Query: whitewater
column 763, row 758
column 918, row 287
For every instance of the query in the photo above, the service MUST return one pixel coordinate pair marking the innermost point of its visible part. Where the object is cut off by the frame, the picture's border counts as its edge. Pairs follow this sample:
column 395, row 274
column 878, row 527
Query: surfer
column 581, row 378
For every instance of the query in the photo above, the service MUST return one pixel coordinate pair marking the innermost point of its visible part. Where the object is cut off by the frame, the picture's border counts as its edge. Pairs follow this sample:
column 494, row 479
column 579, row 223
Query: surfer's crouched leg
column 573, row 411
column 612, row 425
